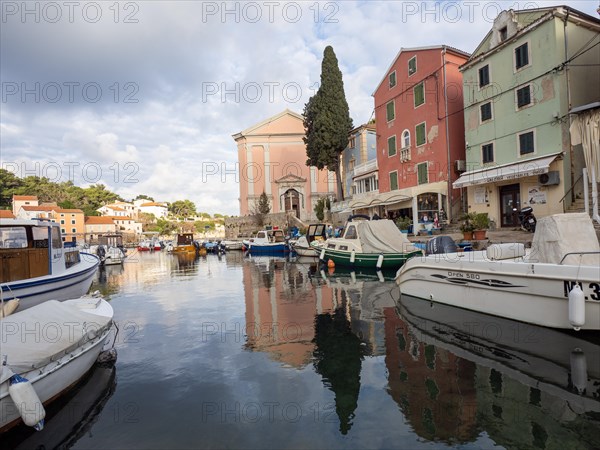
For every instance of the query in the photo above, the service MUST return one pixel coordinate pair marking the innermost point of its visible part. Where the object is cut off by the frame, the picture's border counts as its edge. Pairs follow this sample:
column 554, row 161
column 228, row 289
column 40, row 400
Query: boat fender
column 379, row 261
column 576, row 308
column 26, row 400
column 9, row 307
column 352, row 256
column 579, row 376
column 330, row 264
column 322, row 257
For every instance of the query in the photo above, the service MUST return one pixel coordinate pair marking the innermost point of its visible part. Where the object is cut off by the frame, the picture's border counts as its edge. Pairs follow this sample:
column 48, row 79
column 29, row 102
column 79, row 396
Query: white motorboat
column 108, row 255
column 315, row 235
column 556, row 284
column 45, row 350
column 35, row 266
column 232, row 245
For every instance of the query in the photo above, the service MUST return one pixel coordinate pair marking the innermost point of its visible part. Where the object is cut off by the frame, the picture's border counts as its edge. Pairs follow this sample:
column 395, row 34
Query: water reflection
column 455, row 372
column 70, row 417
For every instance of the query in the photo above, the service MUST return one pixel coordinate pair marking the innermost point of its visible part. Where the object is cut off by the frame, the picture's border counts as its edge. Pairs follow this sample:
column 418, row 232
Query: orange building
column 272, row 159
column 98, row 225
column 72, row 223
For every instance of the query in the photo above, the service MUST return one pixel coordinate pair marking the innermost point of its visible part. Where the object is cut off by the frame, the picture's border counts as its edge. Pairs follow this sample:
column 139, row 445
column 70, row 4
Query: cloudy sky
column 144, row 96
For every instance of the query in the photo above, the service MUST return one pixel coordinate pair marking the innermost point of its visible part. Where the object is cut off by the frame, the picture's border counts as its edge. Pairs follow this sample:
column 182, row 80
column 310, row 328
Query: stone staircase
column 578, row 206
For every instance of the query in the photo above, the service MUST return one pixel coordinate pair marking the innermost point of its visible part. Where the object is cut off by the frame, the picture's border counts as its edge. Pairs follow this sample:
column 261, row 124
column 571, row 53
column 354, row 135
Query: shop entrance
column 510, row 197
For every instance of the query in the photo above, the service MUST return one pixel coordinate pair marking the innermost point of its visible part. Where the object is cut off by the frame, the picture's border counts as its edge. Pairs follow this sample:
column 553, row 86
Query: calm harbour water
column 235, row 352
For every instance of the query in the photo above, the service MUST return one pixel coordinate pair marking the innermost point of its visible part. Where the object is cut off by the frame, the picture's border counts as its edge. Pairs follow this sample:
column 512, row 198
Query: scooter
column 526, row 219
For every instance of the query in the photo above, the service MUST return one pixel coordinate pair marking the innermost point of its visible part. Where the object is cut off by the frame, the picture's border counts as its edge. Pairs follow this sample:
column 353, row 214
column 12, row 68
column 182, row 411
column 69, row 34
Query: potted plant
column 481, row 222
column 403, row 223
column 467, row 226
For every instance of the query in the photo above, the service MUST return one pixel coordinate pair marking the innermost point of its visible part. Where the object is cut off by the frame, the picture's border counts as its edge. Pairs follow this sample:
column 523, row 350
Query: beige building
column 272, row 159
column 99, row 225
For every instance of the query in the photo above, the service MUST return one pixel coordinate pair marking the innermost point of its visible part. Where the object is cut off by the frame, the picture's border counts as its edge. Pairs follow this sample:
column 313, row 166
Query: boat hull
column 527, row 292
column 72, row 283
column 391, row 261
column 268, row 249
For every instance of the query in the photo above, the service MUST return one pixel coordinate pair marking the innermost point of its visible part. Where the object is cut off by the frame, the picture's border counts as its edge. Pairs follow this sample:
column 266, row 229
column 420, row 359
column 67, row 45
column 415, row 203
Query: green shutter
column 392, row 146
column 419, row 94
column 390, row 111
column 392, row 79
column 422, row 173
column 420, row 134
column 393, row 181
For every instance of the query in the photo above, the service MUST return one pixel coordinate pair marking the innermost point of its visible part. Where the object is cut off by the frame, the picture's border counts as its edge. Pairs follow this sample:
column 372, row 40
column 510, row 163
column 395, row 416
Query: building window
column 392, row 79
column 72, row 221
column 419, row 94
column 390, row 111
column 394, row 181
column 412, row 65
column 352, row 142
column 486, row 111
column 405, row 139
column 526, row 143
column 521, row 56
column 484, row 76
column 503, row 34
column 392, row 146
column 523, row 96
column 351, row 164
column 420, row 132
column 422, row 177
column 63, row 231
column 487, row 153
column 62, row 221
column 73, row 230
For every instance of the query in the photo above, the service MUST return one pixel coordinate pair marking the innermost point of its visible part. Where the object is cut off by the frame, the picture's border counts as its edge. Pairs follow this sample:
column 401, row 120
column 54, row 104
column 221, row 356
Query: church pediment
column 291, row 179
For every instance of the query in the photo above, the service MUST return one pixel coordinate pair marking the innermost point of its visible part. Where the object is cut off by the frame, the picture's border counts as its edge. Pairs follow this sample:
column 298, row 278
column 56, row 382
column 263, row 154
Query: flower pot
column 479, row 235
column 467, row 235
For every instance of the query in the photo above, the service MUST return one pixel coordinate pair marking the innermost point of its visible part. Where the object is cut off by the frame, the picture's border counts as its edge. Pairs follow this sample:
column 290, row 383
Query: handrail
column 577, row 253
column 572, row 186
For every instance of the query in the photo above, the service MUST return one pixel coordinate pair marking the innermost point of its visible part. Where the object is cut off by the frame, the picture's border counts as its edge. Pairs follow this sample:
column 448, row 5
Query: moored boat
column 184, row 243
column 556, row 284
column 272, row 242
column 372, row 244
column 36, row 370
column 316, row 235
column 35, row 266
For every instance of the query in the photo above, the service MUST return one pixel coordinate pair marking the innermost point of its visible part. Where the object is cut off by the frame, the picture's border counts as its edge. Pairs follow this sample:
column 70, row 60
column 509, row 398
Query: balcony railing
column 405, row 154
column 365, row 167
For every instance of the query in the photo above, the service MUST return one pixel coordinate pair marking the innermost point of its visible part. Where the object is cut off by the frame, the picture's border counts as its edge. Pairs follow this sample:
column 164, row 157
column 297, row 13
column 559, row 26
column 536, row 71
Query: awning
column 385, row 198
column 531, row 167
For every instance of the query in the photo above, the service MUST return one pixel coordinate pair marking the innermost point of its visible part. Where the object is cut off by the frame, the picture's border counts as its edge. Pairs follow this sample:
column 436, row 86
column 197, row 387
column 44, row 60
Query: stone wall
column 247, row 226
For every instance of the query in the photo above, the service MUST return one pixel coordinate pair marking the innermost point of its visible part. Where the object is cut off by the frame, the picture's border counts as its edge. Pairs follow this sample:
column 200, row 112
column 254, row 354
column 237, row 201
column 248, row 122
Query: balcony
column 405, row 154
column 366, row 167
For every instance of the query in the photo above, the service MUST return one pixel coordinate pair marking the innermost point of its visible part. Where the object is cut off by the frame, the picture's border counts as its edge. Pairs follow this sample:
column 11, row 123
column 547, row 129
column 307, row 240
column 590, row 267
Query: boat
column 556, row 284
column 185, row 243
column 317, row 234
column 214, row 247
column 108, row 255
column 372, row 244
column 35, row 266
column 272, row 242
column 36, row 369
column 232, row 245
column 145, row 246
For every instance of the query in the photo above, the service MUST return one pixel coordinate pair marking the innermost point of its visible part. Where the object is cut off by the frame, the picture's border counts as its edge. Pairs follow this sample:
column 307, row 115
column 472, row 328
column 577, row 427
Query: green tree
column 264, row 206
column 218, row 216
column 327, row 121
column 9, row 185
column 320, row 207
column 182, row 208
column 143, row 197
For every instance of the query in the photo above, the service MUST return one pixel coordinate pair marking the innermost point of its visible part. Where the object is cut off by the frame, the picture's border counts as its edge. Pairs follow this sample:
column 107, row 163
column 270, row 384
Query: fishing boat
column 372, row 244
column 35, row 266
column 36, row 369
column 232, row 245
column 272, row 242
column 145, row 246
column 185, row 243
column 556, row 284
column 317, row 234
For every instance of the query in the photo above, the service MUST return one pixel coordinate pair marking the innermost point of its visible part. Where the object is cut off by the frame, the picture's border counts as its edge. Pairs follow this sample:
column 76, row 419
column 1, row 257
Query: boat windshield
column 13, row 237
column 350, row 232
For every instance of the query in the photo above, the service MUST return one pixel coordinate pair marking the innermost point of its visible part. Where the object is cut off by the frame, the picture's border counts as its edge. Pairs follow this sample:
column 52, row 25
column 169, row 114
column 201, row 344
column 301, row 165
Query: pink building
column 272, row 159
column 420, row 132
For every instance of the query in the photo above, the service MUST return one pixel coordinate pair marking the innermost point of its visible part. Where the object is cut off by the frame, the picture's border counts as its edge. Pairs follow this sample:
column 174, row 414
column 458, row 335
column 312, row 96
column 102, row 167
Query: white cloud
column 176, row 84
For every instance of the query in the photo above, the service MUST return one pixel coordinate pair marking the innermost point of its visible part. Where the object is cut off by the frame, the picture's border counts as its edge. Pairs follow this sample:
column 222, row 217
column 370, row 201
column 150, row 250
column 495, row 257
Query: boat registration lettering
column 471, row 276
column 591, row 291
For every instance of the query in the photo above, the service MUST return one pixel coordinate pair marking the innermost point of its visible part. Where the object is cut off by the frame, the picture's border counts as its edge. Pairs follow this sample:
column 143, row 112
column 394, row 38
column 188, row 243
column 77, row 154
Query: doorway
column 510, row 197
column 291, row 199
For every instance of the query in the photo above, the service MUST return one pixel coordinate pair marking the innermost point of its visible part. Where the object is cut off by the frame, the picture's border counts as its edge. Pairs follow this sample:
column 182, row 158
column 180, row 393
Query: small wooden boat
column 36, row 266
column 185, row 243
column 317, row 234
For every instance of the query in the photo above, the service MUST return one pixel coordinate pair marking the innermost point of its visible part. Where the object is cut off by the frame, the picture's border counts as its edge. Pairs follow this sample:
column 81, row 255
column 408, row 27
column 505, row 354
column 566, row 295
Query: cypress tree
column 327, row 121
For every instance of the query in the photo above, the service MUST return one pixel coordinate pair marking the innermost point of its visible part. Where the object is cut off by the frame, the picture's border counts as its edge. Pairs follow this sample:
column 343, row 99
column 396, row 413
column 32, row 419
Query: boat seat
column 497, row 252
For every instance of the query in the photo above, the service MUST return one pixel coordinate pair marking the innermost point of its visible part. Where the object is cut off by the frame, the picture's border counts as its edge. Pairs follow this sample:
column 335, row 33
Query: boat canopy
column 382, row 236
column 34, row 337
column 560, row 234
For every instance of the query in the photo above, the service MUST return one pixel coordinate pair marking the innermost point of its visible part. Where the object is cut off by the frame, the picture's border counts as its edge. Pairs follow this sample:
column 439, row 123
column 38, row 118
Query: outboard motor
column 526, row 219
column 439, row 245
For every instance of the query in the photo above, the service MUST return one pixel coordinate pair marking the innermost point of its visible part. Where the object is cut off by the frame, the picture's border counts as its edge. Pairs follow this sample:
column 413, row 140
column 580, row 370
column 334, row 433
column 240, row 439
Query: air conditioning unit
column 460, row 165
column 549, row 179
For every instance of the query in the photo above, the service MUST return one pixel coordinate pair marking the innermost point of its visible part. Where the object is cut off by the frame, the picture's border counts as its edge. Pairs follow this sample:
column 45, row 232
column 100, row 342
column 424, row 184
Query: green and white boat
column 372, row 244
